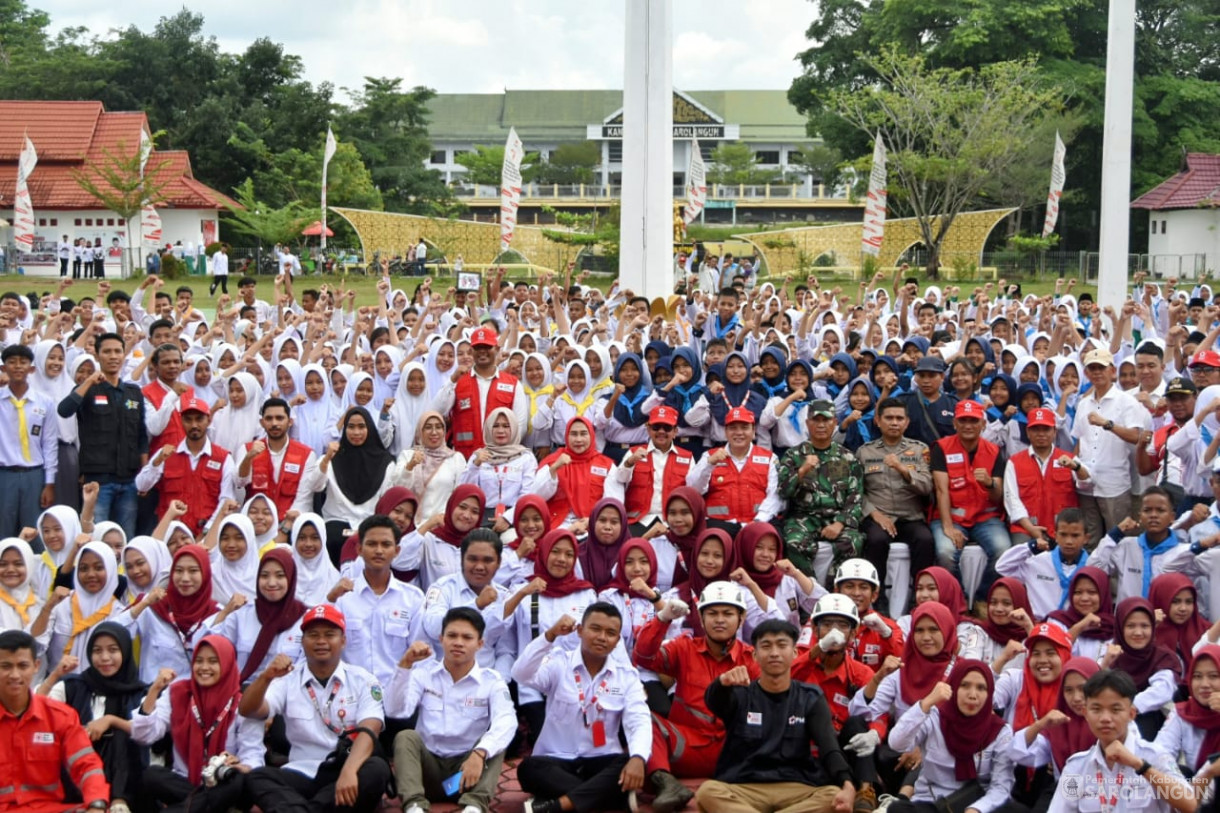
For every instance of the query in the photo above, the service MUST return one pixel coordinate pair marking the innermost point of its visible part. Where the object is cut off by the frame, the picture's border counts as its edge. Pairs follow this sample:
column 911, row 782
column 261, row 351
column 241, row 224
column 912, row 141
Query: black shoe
column 671, row 794
column 536, row 805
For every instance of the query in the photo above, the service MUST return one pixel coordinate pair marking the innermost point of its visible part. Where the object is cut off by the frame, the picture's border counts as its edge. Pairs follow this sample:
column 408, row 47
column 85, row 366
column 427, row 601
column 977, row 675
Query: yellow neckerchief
column 80, row 625
column 23, row 609
column 51, row 566
column 583, row 405
column 534, row 395
column 604, row 384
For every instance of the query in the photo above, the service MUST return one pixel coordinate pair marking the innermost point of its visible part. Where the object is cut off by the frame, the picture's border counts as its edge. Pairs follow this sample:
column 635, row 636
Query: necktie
column 23, row 430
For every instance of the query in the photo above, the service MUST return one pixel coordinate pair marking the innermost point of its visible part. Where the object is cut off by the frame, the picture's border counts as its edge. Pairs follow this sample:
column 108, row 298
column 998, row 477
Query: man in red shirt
column 688, row 743
column 878, row 636
column 40, row 739
column 646, row 477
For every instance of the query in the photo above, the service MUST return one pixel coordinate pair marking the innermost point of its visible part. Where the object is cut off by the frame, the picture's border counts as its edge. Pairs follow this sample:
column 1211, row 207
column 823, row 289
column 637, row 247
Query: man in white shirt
column 466, row 720
column 220, row 271
column 420, row 256
column 1122, row 771
column 578, row 763
column 64, row 251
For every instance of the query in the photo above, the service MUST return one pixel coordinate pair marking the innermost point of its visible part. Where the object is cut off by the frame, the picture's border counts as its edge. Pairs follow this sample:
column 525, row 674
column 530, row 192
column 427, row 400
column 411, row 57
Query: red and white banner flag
column 23, row 206
column 874, row 209
column 150, row 226
column 696, row 184
column 510, row 187
column 1058, row 176
column 327, row 153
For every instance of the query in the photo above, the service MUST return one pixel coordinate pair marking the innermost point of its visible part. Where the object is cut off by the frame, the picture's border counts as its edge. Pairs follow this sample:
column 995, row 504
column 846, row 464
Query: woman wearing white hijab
column 95, row 581
column 316, row 575
column 408, row 408
column 389, row 359
column 58, row 539
column 431, row 469
column 536, row 383
column 441, row 362
column 572, row 403
column 234, row 426
column 55, row 379
column 146, row 563
column 313, row 422
column 20, row 603
column 234, row 559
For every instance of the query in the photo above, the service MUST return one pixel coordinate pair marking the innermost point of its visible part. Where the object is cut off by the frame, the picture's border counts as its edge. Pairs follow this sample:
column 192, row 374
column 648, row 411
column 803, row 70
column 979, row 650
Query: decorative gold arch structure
column 783, row 248
column 478, row 243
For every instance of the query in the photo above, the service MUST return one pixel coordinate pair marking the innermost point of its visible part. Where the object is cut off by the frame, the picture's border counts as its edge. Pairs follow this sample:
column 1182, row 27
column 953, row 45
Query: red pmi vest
column 198, row 488
column 968, row 500
column 638, row 496
column 284, row 491
column 1043, row 496
column 173, row 433
column 466, row 419
column 736, row 496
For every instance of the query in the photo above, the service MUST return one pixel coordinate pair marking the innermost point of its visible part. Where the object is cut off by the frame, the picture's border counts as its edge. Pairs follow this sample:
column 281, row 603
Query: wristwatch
column 97, row 805
column 1109, row 426
column 1143, row 768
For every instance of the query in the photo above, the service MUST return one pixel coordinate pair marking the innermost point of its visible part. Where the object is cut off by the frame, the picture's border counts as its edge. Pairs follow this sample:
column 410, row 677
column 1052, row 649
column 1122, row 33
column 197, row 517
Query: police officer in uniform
column 822, row 482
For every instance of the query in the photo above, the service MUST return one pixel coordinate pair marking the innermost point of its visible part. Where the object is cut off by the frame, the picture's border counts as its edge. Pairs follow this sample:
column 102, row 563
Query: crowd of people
column 824, row 550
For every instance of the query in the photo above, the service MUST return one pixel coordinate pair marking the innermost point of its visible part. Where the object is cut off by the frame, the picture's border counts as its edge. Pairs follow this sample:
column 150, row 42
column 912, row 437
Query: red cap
column 1206, row 358
column 665, row 415
column 484, row 337
column 1040, row 417
column 969, row 409
column 194, row 404
column 328, row 613
column 739, row 415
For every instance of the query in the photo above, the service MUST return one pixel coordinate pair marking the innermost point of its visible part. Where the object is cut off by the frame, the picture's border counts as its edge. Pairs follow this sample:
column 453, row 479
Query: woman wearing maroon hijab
column 1089, row 615
column 713, row 558
column 1174, row 596
column 266, row 628
column 760, row 557
column 399, row 504
column 1193, row 730
column 1154, row 668
column 531, row 522
column 1009, row 618
column 608, row 532
column 435, row 545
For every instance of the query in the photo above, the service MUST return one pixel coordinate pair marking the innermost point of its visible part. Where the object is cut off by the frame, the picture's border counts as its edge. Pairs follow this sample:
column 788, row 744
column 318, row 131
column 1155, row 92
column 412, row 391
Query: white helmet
column 722, row 593
column 861, row 569
column 836, row 604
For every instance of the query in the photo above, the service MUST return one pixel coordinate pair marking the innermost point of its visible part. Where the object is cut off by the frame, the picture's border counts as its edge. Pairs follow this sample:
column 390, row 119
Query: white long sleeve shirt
column 381, row 627
column 455, row 716
column 1037, row 572
column 1080, row 790
column 1124, row 561
column 244, row 739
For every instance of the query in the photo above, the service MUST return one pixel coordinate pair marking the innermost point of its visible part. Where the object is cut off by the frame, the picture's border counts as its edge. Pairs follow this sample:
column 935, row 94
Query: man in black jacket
column 766, row 763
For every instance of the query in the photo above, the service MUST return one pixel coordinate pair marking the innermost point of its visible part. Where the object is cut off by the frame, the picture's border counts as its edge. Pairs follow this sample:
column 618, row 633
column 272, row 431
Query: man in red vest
column 648, row 474
column 1040, row 482
column 276, row 466
column 739, row 478
column 164, row 393
column 968, row 472
column 473, row 394
column 195, row 472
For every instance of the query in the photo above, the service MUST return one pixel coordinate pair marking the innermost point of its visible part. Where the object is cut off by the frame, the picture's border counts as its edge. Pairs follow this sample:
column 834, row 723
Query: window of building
column 1163, row 229
column 438, row 157
column 88, row 221
column 767, row 156
column 55, row 221
column 78, row 221
column 122, row 222
column 42, row 222
column 705, row 149
column 1154, row 227
column 110, row 221
column 616, row 152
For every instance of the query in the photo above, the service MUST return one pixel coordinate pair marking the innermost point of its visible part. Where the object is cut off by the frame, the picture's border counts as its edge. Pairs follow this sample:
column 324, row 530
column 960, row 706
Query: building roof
column 1196, row 185
column 75, row 137
column 564, row 115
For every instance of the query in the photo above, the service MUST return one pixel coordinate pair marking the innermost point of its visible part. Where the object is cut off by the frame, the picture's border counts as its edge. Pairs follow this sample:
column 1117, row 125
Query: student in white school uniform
column 20, row 602
column 1119, row 762
column 475, row 587
column 1133, row 558
column 633, row 592
column 270, row 624
column 1046, row 570
column 1191, row 733
column 433, row 547
column 466, row 719
column 76, row 613
column 1089, row 616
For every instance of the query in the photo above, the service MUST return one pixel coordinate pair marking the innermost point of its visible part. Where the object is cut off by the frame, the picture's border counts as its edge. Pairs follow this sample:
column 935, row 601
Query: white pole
column 1116, row 156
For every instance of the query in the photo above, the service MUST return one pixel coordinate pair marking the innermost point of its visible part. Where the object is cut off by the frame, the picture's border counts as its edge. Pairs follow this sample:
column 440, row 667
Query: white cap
column 836, row 604
column 860, row 569
column 722, row 593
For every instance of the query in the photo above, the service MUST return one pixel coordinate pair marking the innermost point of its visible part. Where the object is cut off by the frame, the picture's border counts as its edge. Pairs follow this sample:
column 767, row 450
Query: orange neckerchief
column 80, row 625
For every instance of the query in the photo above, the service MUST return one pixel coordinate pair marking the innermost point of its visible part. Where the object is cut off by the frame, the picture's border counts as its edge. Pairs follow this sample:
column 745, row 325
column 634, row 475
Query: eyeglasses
column 661, row 427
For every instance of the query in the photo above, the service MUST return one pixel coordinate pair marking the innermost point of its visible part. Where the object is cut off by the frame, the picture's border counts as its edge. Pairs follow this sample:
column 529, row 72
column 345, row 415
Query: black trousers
column 178, row 795
column 63, row 266
column 222, row 281
column 863, row 769
column 917, row 536
column 285, row 791
column 591, row 783
column 76, row 268
column 121, row 762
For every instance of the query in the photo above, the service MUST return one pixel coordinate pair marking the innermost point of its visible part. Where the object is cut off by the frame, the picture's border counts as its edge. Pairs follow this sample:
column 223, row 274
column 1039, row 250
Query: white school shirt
column 242, row 627
column 348, row 697
column 1107, row 456
column 1179, row 738
column 779, row 427
column 1092, row 648
column 455, row 717
column 452, row 591
column 519, row 630
column 700, row 477
column 980, row 646
column 636, row 612
column 1036, row 570
column 513, row 570
column 1124, row 562
column 503, row 484
column 244, row 739
column 615, row 696
column 337, row 506
column 381, row 627
column 162, row 646
column 432, row 556
column 1079, row 789
column 611, row 430
column 59, row 630
column 1187, row 447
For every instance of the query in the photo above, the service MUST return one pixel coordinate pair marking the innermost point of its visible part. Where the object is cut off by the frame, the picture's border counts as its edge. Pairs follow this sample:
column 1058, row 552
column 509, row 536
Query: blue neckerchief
column 769, row 391
column 794, row 414
column 687, row 392
column 834, row 390
column 1064, row 579
column 1169, row 544
column 721, row 332
column 626, row 412
column 1206, row 434
column 859, row 432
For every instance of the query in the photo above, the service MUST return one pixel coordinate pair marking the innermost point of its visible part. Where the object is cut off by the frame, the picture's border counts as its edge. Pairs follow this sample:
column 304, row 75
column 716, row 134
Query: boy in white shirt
column 1046, row 571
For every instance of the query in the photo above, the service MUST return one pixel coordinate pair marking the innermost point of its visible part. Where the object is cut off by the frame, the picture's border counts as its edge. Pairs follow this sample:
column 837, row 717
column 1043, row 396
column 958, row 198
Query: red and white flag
column 510, row 187
column 1058, row 176
column 150, row 226
column 23, row 206
column 874, row 209
column 696, row 185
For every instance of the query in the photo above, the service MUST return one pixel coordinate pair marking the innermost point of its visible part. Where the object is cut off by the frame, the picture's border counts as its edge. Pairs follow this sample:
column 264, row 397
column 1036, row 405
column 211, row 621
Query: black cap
column 1181, row 386
column 930, row 364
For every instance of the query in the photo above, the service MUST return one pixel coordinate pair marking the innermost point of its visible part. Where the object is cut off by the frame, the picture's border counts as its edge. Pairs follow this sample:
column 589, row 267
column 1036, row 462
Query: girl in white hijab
column 265, row 518
column 411, row 401
column 386, row 363
column 20, row 603
column 536, row 383
column 316, row 576
column 237, row 422
column 146, row 563
column 442, row 359
column 95, row 581
column 576, row 399
column 58, row 527
column 234, row 559
column 56, row 379
column 313, row 422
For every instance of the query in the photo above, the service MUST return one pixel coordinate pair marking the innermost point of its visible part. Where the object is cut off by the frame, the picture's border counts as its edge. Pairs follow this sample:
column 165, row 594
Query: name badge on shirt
column 760, row 459
column 472, row 702
column 44, row 738
column 955, row 458
column 464, row 403
column 841, row 700
column 292, row 468
column 599, row 471
column 213, row 464
column 753, row 718
column 504, row 387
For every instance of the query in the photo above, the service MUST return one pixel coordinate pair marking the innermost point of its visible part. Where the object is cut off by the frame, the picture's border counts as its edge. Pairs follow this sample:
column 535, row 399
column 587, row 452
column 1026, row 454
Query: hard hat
column 836, row 604
column 722, row 593
column 861, row 569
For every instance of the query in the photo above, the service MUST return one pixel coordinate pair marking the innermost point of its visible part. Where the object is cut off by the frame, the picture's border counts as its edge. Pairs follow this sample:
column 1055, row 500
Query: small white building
column 1184, row 219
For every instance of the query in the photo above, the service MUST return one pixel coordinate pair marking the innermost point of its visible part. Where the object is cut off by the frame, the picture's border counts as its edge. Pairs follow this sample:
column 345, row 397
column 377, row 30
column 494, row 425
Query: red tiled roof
column 73, row 136
column 1197, row 184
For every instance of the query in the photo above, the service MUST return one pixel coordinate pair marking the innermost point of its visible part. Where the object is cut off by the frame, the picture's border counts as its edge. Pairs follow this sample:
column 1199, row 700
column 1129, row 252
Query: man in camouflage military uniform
column 824, row 486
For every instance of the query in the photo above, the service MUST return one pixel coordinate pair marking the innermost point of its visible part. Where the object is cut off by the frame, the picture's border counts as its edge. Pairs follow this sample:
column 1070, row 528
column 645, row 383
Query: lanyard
column 593, row 701
column 1111, row 801
column 207, row 735
column 313, row 697
column 184, row 639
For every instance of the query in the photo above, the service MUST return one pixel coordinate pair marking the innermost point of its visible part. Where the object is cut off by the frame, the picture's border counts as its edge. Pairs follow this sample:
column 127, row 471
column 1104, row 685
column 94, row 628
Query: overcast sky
column 481, row 46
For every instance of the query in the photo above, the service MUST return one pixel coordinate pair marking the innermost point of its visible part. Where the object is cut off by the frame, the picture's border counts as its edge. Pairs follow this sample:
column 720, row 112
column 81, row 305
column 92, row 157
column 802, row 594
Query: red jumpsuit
column 35, row 748
column 868, row 647
column 838, row 685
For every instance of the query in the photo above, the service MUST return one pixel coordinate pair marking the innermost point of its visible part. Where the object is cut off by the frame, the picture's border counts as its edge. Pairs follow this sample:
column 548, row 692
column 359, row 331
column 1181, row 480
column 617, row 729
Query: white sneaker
column 632, row 802
column 884, row 801
column 471, row 809
column 414, row 809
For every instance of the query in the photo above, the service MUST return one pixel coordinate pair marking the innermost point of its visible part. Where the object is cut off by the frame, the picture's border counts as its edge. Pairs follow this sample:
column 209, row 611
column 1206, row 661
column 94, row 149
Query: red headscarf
column 1012, row 631
column 620, row 582
column 217, row 707
column 686, row 544
column 1142, row 664
column 1178, row 638
column 393, row 497
column 1074, row 736
column 919, row 673
column 539, row 505
column 186, row 613
column 1070, row 616
column 556, row 587
column 275, row 616
column 1199, row 715
column 747, row 540
column 950, row 591
column 597, row 559
column 690, row 590
column 1037, row 699
column 965, row 735
column 577, row 492
column 447, row 531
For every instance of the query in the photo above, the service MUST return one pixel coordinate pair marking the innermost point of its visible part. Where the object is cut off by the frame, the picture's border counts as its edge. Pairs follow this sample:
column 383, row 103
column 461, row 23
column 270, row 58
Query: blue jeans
column 116, row 502
column 990, row 535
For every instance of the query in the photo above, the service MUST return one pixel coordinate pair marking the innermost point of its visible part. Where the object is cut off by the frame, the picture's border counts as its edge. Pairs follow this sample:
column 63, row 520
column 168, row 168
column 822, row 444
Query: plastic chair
column 971, row 566
column 898, row 578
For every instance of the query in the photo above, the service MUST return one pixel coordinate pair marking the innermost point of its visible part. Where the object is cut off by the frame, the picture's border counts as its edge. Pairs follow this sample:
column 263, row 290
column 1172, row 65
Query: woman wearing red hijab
column 927, row 656
column 674, row 542
column 633, row 590
column 200, row 714
column 1154, row 668
column 531, row 522
column 434, row 547
column 937, row 585
column 1009, row 618
column 572, row 479
column 1192, row 730
column 270, row 625
column 713, row 558
column 1089, row 616
column 1060, row 733
column 1175, row 598
column 399, row 504
column 761, row 562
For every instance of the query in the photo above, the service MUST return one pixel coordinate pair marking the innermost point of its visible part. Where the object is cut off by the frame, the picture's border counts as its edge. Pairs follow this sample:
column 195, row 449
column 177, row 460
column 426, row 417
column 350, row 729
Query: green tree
column 270, row 224
column 822, row 162
column 735, row 163
column 484, row 165
column 570, row 164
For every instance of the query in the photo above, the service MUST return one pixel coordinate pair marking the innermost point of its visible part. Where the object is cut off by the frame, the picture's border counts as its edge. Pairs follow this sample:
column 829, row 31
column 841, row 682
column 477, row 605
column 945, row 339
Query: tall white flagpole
column 328, row 154
column 1116, row 156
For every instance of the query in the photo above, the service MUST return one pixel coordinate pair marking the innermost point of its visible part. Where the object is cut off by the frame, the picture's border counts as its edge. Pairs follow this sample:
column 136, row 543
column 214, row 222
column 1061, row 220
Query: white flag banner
column 23, row 206
column 874, row 209
column 510, row 187
column 150, row 226
column 328, row 153
column 145, row 150
column 696, row 184
column 1058, row 176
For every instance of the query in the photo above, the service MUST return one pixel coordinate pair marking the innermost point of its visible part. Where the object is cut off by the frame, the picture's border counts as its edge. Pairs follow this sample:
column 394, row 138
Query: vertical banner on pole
column 329, row 153
column 696, row 184
column 510, row 187
column 23, row 206
column 874, row 209
column 1058, row 176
